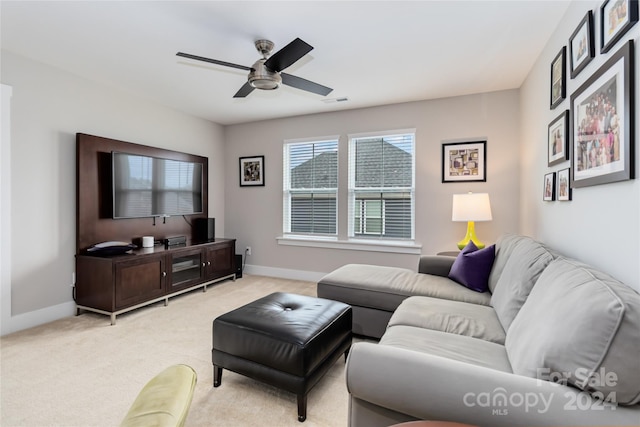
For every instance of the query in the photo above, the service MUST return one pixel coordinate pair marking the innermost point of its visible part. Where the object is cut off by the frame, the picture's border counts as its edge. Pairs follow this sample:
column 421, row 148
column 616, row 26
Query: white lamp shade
column 471, row 207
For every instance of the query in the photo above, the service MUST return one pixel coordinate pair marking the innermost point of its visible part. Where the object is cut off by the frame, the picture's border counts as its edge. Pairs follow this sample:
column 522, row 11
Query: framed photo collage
column 595, row 133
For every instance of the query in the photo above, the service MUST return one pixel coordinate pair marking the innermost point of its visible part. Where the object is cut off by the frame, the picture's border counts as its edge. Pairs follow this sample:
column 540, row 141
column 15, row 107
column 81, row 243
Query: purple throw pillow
column 473, row 266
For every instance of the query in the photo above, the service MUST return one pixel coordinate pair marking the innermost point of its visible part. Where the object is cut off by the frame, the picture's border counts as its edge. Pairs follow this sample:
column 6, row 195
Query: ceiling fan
column 266, row 73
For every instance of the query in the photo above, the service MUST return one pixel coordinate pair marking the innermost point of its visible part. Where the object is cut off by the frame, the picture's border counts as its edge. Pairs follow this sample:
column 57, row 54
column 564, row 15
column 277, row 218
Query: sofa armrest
column 438, row 265
column 424, row 386
column 165, row 400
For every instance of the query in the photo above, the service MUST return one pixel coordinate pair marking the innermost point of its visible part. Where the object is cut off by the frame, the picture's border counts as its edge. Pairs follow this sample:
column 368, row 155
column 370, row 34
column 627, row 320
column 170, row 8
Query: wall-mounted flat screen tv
column 148, row 186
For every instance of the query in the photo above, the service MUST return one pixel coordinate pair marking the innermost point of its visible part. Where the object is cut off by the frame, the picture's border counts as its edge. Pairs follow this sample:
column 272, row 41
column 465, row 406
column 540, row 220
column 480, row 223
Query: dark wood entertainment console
column 117, row 284
column 113, row 285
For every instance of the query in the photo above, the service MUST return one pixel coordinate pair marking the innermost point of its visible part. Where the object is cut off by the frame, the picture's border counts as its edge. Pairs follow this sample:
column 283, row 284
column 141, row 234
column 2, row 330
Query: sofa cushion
column 452, row 346
column 472, row 267
column 527, row 260
column 504, row 247
column 439, row 265
column 384, row 288
column 455, row 317
column 584, row 323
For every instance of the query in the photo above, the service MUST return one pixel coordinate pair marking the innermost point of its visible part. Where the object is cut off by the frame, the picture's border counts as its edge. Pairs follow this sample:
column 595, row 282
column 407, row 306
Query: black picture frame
column 549, row 187
column 252, row 171
column 616, row 18
column 581, row 45
column 604, row 156
column 464, row 161
column 558, row 139
column 564, row 185
column 559, row 78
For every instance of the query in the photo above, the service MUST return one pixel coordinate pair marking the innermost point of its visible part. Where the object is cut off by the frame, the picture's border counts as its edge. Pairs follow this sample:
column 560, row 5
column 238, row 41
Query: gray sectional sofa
column 553, row 342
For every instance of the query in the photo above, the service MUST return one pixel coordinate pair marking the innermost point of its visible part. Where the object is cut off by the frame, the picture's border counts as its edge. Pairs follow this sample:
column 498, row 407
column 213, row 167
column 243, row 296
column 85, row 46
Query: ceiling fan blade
column 245, row 90
column 288, row 55
column 304, row 84
column 213, row 61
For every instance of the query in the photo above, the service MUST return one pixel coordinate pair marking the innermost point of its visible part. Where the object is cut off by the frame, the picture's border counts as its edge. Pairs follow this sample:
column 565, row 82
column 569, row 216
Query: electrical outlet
column 248, row 250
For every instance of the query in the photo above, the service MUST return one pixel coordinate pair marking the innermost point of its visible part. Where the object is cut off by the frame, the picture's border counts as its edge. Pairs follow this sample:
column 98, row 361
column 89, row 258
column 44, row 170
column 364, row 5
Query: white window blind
column 381, row 186
column 310, row 187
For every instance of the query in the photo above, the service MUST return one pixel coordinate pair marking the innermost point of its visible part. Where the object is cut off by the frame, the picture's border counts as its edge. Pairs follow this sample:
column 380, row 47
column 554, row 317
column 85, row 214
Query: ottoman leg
column 217, row 376
column 302, row 407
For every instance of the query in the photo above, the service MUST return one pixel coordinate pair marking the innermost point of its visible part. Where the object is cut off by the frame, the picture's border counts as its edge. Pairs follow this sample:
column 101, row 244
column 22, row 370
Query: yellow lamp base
column 470, row 236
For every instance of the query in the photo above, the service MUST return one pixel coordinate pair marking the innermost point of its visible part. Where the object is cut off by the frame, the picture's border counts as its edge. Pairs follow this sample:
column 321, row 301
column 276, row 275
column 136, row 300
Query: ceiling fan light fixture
column 261, row 77
column 265, row 84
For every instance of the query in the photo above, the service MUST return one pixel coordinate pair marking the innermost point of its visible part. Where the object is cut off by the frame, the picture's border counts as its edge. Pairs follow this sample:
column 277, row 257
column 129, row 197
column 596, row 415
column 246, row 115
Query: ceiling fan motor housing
column 261, row 77
column 264, row 47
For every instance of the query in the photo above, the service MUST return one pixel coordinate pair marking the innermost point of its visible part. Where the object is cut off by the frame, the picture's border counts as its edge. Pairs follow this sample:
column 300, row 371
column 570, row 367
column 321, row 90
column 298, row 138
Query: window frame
column 353, row 191
column 288, row 191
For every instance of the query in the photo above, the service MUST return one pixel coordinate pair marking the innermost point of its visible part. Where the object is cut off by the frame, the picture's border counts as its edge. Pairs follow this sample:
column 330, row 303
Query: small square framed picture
column 564, row 187
column 252, row 171
column 558, row 139
column 464, row 161
column 616, row 17
column 549, row 192
column 581, row 45
column 559, row 78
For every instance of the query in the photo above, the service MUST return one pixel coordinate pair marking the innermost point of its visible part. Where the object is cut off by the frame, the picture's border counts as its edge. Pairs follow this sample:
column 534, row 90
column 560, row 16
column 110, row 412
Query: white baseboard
column 28, row 320
column 283, row 273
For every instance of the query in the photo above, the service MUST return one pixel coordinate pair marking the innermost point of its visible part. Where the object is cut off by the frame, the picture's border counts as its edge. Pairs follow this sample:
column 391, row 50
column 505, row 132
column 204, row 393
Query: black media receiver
column 178, row 240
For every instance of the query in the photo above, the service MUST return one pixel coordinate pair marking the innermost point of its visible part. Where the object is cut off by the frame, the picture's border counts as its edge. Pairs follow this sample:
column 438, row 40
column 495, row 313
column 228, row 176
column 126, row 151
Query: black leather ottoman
column 288, row 341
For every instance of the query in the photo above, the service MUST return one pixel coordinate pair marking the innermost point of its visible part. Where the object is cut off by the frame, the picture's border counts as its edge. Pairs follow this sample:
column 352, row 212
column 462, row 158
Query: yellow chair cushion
column 165, row 400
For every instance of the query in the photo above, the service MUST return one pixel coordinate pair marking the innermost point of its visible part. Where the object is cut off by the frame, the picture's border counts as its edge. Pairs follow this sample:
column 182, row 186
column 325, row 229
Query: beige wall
column 601, row 226
column 254, row 215
column 48, row 107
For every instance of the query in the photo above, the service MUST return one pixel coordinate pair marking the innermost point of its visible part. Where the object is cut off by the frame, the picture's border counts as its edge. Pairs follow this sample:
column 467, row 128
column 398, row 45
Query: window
column 381, row 186
column 311, row 187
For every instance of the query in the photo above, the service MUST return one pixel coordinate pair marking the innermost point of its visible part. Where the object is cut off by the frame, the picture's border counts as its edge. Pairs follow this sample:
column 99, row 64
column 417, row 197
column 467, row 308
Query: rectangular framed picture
column 549, row 190
column 559, row 78
column 558, row 139
column 564, row 184
column 616, row 17
column 252, row 171
column 581, row 45
column 602, row 123
column 464, row 161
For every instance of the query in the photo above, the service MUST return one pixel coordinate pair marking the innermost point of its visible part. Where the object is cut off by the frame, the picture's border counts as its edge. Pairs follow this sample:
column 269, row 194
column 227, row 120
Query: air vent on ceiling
column 332, row 100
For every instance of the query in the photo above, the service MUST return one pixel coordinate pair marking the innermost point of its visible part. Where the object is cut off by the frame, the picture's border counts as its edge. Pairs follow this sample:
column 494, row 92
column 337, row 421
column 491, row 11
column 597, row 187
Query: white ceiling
column 373, row 53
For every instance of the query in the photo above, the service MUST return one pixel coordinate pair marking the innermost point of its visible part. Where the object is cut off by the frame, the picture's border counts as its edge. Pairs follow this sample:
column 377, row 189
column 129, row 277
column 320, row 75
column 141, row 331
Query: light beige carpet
column 81, row 371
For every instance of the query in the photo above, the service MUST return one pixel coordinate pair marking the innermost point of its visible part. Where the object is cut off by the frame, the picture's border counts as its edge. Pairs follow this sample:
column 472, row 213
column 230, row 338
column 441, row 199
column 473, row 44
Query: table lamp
column 471, row 207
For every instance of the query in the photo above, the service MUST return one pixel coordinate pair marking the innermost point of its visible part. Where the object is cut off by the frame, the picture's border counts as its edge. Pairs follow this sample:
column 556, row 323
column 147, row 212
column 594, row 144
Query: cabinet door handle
column 209, row 263
column 203, row 264
column 164, row 274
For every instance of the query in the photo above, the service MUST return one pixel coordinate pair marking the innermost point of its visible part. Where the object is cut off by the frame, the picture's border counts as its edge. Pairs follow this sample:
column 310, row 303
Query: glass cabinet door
column 186, row 269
